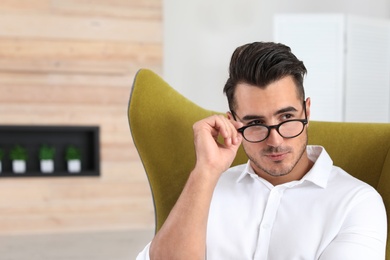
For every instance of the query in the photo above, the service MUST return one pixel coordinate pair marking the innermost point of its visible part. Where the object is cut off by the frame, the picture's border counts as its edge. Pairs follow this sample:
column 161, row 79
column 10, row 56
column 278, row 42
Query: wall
column 201, row 35
column 72, row 63
column 343, row 54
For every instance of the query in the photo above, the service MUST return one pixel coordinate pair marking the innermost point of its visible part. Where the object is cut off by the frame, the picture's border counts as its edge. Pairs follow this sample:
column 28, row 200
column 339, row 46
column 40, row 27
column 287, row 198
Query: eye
column 287, row 117
column 256, row 122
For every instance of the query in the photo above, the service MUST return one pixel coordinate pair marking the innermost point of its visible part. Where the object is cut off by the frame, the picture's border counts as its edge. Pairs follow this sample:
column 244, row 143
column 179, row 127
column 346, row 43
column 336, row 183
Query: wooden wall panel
column 25, row 6
column 73, row 63
column 76, row 56
column 145, row 9
column 36, row 79
column 50, row 26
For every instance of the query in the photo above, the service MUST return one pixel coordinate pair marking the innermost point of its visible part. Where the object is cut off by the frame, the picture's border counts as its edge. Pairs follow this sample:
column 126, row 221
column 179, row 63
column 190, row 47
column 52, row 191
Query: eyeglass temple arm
column 233, row 114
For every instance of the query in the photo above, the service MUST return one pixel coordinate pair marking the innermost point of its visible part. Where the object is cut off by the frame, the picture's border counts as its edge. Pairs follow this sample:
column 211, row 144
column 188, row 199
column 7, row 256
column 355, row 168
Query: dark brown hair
column 260, row 64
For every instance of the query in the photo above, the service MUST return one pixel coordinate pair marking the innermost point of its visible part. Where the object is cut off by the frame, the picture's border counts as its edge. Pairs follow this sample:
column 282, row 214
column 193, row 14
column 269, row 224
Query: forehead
column 278, row 94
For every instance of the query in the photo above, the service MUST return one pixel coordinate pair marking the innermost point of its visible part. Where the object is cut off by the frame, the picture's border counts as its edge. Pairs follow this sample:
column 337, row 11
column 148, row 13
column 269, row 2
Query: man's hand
column 183, row 235
column 212, row 155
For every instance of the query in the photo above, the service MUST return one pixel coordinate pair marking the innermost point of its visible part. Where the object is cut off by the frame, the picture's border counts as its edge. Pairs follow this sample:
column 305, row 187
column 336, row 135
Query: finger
column 237, row 138
column 233, row 137
column 220, row 125
column 224, row 127
column 237, row 124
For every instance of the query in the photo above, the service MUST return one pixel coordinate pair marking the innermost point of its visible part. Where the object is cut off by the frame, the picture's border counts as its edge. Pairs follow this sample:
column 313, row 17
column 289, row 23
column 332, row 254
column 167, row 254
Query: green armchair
column 161, row 122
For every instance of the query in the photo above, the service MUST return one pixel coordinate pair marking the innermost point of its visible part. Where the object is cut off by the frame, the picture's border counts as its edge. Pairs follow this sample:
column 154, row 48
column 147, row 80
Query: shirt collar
column 318, row 174
column 248, row 171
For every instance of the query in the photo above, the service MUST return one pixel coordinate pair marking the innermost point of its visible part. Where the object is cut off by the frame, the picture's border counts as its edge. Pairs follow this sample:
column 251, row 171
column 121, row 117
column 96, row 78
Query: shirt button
column 266, row 226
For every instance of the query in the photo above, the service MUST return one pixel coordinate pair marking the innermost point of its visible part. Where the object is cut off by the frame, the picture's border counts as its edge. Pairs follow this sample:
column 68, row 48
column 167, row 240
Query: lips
column 277, row 156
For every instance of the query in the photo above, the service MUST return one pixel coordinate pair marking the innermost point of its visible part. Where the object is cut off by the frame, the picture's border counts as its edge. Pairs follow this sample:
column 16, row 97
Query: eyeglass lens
column 288, row 129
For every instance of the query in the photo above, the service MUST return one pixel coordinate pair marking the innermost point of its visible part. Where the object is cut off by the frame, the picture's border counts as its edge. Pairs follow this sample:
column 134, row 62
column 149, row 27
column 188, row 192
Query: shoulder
column 230, row 179
column 338, row 181
column 233, row 173
column 344, row 184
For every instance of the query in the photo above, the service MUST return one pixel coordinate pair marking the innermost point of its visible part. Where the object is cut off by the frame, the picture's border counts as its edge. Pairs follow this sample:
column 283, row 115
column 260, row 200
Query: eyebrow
column 278, row 112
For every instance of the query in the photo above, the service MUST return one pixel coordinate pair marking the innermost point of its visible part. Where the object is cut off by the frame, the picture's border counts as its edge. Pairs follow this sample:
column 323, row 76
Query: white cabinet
column 348, row 63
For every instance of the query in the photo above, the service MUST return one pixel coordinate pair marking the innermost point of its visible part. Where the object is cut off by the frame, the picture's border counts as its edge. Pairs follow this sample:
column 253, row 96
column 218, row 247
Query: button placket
column 267, row 222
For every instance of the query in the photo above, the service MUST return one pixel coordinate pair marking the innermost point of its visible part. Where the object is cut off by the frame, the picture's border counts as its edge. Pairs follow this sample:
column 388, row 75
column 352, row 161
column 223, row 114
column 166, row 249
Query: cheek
column 299, row 144
column 303, row 137
column 253, row 149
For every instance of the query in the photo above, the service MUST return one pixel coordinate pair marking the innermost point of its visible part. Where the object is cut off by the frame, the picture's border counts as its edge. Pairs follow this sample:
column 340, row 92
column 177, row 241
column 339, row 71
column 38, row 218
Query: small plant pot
column 1, row 167
column 47, row 166
column 19, row 166
column 74, row 166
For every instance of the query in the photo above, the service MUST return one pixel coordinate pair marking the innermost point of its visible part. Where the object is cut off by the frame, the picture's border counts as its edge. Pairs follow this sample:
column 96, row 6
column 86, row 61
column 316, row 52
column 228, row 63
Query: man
column 288, row 201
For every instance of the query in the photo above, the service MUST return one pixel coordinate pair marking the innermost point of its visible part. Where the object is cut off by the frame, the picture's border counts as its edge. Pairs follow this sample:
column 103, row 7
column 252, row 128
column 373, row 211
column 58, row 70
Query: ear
column 308, row 104
column 229, row 115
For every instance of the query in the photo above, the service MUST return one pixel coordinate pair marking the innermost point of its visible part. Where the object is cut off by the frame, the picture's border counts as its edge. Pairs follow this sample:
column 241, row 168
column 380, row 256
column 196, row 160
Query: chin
column 279, row 170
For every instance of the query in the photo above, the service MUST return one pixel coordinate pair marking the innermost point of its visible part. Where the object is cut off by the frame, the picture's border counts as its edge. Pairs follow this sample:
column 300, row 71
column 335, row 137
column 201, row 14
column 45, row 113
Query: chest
column 281, row 223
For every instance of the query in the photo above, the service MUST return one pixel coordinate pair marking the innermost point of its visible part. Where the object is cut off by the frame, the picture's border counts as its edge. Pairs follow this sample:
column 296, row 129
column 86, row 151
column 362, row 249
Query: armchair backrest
column 161, row 122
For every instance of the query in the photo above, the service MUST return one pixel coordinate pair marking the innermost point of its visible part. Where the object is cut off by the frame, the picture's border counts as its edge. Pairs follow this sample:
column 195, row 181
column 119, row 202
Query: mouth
column 276, row 156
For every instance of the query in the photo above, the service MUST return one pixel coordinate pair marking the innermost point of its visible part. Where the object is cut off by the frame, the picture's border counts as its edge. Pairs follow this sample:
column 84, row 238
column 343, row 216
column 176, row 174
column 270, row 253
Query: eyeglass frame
column 276, row 127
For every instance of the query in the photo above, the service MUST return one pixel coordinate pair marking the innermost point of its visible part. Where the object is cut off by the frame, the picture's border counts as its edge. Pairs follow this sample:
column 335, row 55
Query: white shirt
column 327, row 215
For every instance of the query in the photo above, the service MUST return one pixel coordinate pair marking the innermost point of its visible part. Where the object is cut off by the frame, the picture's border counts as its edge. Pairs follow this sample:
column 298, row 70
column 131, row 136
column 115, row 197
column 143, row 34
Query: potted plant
column 1, row 158
column 46, row 157
column 73, row 158
column 19, row 156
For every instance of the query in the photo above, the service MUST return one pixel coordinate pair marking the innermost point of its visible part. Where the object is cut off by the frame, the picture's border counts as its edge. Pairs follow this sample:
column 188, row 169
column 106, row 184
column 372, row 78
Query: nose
column 274, row 139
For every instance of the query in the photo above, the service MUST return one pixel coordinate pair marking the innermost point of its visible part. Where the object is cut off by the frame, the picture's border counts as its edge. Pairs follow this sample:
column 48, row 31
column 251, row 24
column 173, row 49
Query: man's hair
column 260, row 64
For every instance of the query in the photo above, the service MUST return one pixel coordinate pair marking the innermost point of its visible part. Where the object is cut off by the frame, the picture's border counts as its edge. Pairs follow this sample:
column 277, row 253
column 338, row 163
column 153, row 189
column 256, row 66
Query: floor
column 103, row 245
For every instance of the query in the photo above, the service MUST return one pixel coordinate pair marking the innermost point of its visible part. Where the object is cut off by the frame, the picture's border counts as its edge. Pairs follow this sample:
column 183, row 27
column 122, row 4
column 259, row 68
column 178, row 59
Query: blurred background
column 72, row 63
column 344, row 45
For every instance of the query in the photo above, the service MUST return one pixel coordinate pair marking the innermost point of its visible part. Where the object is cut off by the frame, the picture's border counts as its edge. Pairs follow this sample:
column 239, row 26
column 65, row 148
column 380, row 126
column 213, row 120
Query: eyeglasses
column 258, row 132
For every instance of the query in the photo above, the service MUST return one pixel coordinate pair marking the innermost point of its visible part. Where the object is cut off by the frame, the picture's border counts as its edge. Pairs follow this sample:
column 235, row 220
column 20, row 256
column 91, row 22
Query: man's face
column 275, row 157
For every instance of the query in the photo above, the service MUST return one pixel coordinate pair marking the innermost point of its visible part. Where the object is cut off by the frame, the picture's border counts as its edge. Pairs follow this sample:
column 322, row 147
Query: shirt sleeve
column 363, row 233
column 144, row 254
